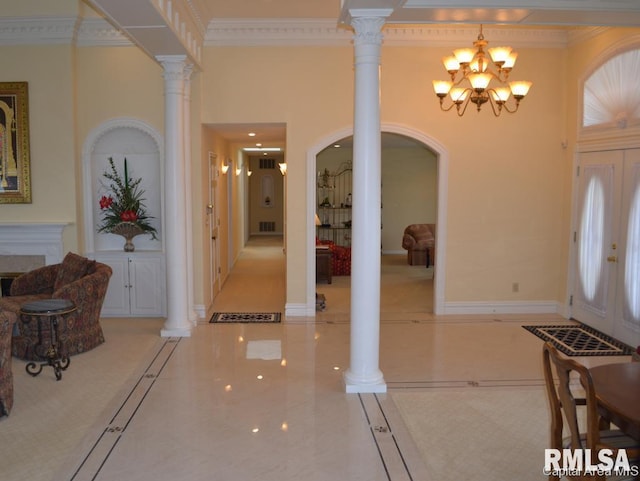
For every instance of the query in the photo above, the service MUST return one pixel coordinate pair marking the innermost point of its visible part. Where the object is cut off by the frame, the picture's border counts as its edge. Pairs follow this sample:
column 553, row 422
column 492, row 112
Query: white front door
column 626, row 323
column 606, row 293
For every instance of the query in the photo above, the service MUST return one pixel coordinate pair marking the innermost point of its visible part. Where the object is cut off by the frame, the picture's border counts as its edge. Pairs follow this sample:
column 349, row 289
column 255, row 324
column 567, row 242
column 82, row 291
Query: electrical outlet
column 515, row 287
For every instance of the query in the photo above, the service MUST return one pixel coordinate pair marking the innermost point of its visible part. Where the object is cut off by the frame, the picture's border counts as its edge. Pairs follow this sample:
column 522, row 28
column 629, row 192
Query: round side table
column 53, row 312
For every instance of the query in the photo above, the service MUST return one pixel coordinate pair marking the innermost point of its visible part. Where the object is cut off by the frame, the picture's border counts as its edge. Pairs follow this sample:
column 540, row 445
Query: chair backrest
column 562, row 400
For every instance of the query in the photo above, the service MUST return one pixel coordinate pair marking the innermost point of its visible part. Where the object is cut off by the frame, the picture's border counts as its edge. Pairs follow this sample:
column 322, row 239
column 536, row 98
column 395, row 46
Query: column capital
column 173, row 66
column 368, row 24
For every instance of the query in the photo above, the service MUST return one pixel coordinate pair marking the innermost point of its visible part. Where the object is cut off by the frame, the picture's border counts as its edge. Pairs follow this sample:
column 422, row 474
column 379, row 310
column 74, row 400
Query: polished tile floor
column 266, row 401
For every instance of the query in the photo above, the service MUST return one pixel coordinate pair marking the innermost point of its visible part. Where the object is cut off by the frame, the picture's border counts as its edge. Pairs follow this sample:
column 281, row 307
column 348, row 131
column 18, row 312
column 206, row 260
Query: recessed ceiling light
column 252, row 134
column 337, row 146
column 262, row 149
column 258, row 144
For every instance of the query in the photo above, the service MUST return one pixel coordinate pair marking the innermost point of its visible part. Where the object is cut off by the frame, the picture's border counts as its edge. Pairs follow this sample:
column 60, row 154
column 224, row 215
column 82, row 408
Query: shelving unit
column 334, row 205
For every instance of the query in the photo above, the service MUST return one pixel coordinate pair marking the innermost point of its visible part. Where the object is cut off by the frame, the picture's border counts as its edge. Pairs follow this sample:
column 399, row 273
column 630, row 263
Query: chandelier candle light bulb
column 481, row 79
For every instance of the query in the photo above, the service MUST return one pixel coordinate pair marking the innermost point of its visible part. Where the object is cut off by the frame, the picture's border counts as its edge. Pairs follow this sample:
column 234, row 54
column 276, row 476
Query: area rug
column 580, row 340
column 244, row 317
column 478, row 434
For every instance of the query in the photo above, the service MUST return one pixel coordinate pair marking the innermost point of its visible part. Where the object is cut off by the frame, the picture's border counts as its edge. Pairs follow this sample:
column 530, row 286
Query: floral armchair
column 6, row 375
column 78, row 279
column 340, row 257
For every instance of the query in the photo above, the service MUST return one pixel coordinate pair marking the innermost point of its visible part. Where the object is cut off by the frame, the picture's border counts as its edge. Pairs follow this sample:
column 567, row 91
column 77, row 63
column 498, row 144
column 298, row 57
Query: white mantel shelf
column 33, row 238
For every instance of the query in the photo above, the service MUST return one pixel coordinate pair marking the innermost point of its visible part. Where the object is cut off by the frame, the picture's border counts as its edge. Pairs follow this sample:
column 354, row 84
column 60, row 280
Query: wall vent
column 268, row 226
column 267, row 163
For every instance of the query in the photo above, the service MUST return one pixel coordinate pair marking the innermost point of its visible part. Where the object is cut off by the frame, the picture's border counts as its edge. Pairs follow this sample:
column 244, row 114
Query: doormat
column 244, row 317
column 580, row 340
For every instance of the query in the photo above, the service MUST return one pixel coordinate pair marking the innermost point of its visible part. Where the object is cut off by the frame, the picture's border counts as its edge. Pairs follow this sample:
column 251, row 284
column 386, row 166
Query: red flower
column 105, row 202
column 129, row 216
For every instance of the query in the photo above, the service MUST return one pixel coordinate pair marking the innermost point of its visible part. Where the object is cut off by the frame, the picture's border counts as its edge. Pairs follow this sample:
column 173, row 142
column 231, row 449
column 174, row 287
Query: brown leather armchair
column 420, row 242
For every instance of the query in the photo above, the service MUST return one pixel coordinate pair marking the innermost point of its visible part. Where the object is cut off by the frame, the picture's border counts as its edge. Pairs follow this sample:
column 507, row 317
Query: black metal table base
column 52, row 352
column 58, row 364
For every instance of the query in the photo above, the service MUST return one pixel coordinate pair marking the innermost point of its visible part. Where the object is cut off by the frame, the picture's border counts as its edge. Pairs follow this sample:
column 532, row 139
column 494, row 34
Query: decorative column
column 193, row 317
column 364, row 375
column 177, row 323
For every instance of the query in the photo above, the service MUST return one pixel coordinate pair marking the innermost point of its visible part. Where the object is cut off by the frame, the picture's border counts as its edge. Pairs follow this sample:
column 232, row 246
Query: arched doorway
column 441, row 155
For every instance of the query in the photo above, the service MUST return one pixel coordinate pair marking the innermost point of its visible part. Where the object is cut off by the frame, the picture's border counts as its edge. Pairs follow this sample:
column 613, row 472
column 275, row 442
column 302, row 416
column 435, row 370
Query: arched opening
column 394, row 138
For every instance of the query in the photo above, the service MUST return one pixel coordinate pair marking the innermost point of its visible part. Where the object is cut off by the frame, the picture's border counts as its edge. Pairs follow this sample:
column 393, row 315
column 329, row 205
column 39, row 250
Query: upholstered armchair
column 420, row 240
column 78, row 279
column 340, row 257
column 6, row 375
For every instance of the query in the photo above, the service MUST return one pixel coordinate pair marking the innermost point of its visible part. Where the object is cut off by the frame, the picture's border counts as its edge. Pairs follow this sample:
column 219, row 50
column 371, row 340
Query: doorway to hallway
column 256, row 283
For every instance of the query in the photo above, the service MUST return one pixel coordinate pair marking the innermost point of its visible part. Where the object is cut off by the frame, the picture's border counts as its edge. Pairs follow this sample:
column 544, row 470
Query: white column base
column 356, row 386
column 176, row 332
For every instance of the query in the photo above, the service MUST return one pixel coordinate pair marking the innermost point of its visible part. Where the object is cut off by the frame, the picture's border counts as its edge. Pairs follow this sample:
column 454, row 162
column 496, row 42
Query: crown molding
column 96, row 32
column 256, row 32
column 579, row 35
column 37, row 30
column 286, row 32
column 247, row 32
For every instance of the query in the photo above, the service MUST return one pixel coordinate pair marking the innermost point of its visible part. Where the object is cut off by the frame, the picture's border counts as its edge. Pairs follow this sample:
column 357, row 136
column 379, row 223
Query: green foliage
column 125, row 202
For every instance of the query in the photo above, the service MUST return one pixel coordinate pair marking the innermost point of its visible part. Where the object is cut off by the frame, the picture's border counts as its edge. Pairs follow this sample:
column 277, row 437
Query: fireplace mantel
column 44, row 238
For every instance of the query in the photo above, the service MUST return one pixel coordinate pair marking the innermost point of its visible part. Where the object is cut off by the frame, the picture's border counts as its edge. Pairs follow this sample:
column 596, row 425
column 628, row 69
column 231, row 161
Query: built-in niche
column 141, row 146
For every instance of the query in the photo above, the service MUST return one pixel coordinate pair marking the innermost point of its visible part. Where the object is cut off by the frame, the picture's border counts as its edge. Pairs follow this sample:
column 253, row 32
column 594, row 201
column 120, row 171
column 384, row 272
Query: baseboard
column 299, row 310
column 201, row 312
column 503, row 307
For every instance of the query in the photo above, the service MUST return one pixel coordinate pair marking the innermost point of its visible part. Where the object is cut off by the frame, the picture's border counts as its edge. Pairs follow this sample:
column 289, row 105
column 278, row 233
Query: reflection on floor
column 266, row 401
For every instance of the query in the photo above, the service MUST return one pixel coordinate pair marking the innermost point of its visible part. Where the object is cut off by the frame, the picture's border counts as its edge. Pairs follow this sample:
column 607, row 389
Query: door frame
column 601, row 144
column 442, row 159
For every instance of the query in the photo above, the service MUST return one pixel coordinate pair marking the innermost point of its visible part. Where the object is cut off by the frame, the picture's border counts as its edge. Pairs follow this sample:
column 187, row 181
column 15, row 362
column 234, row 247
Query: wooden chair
column 563, row 401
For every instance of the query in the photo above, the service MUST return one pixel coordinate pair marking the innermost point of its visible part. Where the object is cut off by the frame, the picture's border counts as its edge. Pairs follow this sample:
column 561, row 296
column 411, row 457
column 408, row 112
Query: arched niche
column 142, row 147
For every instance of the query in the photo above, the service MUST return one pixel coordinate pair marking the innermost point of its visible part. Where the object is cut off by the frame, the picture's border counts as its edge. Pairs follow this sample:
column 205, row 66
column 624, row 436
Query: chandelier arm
column 464, row 104
column 512, row 110
column 496, row 107
column 446, row 109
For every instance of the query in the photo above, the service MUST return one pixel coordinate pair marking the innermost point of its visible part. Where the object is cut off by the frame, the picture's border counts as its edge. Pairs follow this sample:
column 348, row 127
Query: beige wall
column 509, row 191
column 113, row 83
column 258, row 211
column 54, row 181
column 506, row 175
column 409, row 193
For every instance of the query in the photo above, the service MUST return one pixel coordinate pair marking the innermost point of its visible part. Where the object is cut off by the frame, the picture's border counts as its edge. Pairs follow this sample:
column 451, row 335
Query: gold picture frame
column 15, row 178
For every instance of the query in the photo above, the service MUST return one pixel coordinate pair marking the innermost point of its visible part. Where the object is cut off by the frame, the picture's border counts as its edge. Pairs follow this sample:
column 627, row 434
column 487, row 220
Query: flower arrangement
column 124, row 204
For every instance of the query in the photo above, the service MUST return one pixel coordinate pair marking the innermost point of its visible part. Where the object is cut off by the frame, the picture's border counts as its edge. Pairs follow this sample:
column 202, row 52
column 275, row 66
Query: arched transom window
column 612, row 92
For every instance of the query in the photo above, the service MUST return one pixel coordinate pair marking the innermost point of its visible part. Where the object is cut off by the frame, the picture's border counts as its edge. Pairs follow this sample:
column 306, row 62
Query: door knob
column 612, row 259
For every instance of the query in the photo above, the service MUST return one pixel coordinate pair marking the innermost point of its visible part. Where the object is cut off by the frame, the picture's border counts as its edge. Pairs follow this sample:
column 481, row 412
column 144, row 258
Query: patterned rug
column 244, row 317
column 580, row 340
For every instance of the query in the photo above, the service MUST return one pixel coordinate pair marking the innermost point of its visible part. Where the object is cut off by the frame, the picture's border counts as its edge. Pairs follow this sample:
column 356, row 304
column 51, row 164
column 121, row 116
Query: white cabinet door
column 147, row 287
column 116, row 302
column 137, row 287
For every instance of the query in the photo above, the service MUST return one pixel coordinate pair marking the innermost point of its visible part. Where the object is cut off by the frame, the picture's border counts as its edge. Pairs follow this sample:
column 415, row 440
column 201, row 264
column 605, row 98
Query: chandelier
column 472, row 74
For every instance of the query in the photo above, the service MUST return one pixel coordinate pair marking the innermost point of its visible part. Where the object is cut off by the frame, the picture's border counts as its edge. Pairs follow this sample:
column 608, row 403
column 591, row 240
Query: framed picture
column 15, row 181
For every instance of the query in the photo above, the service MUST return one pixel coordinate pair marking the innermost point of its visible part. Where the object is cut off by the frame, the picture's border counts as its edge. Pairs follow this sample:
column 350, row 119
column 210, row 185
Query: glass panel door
column 596, row 239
